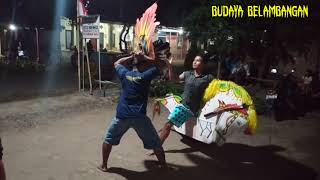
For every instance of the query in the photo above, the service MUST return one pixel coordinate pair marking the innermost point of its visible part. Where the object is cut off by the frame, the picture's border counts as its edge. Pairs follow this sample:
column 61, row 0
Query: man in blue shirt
column 131, row 110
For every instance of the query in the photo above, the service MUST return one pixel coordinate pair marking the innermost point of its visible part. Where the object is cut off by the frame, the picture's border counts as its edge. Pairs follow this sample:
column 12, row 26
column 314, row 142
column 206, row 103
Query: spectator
column 74, row 58
column 307, row 80
column 90, row 48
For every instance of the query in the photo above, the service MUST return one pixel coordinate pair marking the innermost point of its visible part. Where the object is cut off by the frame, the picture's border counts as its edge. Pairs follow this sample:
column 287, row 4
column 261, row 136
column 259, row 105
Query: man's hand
column 139, row 55
column 123, row 60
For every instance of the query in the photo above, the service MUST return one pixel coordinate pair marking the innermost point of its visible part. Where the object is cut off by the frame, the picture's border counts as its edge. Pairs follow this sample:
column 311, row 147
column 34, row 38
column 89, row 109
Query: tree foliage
column 269, row 40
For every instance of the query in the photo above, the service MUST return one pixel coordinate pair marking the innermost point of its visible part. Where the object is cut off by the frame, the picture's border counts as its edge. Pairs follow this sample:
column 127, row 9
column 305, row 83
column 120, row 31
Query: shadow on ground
column 231, row 161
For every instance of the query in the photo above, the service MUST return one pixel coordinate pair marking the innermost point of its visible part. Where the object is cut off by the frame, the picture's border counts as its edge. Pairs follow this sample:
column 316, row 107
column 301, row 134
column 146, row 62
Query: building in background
column 177, row 38
column 109, row 36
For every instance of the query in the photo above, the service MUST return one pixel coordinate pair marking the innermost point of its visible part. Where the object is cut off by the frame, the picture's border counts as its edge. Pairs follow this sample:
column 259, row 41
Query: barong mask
column 145, row 30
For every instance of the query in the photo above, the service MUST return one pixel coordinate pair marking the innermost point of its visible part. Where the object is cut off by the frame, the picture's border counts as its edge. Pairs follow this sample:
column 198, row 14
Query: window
column 163, row 38
column 69, row 43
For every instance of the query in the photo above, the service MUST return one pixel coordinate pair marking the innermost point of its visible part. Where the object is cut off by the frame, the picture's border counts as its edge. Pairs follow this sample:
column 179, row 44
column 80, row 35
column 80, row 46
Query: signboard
column 91, row 27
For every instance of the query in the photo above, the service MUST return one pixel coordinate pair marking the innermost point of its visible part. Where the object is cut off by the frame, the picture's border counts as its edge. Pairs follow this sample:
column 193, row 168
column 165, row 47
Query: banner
column 91, row 27
column 81, row 8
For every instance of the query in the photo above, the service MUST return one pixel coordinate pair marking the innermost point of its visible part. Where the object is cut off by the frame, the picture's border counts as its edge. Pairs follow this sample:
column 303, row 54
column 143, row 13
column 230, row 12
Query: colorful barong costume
column 228, row 108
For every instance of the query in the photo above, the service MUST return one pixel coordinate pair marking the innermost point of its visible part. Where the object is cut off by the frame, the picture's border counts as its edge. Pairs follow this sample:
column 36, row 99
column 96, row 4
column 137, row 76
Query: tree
column 266, row 40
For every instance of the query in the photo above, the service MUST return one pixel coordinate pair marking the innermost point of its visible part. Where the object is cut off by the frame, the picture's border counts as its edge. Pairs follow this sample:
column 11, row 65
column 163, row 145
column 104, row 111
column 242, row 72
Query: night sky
column 41, row 12
column 170, row 12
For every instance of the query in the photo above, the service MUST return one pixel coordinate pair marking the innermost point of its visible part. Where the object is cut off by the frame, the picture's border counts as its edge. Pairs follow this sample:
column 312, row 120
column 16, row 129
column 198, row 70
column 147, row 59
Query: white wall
column 65, row 25
column 105, row 30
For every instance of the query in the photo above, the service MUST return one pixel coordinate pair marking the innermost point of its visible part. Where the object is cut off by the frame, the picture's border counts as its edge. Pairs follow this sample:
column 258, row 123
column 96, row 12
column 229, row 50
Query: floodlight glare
column 12, row 27
column 181, row 31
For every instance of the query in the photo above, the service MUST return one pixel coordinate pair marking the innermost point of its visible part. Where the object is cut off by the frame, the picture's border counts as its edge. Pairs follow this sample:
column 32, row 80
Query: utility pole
column 37, row 39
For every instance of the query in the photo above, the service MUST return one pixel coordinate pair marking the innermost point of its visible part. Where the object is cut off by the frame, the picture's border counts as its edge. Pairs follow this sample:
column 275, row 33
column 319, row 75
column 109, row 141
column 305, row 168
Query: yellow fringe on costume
column 217, row 86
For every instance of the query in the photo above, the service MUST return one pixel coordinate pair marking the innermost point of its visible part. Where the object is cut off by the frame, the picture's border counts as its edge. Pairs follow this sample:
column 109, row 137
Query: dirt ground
column 59, row 138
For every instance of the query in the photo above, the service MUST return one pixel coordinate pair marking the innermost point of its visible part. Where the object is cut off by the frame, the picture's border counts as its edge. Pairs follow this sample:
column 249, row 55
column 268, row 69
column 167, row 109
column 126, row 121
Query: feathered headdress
column 145, row 29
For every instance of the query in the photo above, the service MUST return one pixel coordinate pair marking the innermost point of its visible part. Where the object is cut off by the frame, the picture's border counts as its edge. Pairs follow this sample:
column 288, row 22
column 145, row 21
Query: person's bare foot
column 103, row 168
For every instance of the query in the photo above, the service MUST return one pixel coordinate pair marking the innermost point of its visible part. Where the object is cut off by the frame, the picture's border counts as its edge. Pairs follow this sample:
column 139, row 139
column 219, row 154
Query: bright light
column 181, row 31
column 274, row 71
column 172, row 30
column 12, row 27
column 230, row 38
